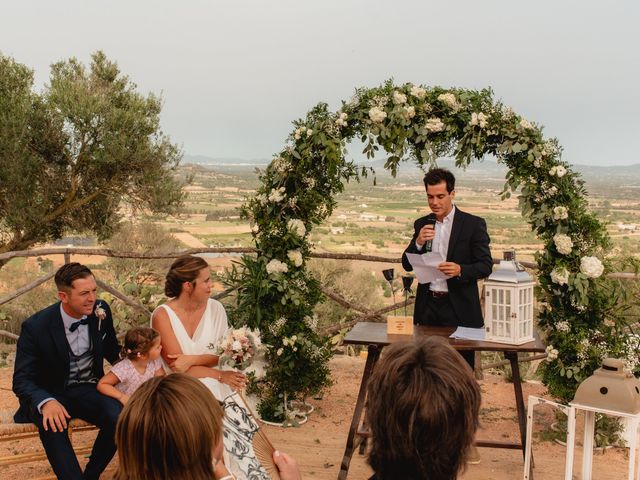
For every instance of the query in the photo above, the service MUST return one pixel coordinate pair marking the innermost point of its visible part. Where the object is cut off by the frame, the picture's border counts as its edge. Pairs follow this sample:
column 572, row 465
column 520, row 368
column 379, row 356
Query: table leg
column 528, row 447
column 517, row 387
column 632, row 449
column 372, row 358
column 587, row 452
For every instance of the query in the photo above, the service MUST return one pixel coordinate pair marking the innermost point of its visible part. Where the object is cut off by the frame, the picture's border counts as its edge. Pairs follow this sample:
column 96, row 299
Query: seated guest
column 423, row 407
column 59, row 358
column 171, row 427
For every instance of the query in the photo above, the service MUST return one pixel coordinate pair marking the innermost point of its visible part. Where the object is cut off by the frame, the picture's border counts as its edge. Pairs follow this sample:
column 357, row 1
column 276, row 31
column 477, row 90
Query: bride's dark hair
column 184, row 269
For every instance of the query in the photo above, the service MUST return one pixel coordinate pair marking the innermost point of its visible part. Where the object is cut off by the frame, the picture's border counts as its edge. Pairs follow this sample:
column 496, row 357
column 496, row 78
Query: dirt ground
column 319, row 444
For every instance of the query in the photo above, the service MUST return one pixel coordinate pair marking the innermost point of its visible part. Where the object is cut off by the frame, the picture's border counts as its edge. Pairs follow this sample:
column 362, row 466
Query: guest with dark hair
column 172, row 428
column 59, row 358
column 423, row 406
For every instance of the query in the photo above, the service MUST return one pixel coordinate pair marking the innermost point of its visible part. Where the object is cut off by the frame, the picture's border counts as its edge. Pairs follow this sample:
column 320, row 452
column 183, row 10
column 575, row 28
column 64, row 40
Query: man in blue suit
column 59, row 360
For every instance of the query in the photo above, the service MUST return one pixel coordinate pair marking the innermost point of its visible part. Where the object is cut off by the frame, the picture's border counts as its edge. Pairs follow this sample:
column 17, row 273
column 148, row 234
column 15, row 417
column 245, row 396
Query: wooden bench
column 10, row 431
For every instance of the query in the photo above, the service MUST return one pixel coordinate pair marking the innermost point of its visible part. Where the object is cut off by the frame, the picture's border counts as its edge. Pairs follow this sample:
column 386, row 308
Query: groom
column 59, row 360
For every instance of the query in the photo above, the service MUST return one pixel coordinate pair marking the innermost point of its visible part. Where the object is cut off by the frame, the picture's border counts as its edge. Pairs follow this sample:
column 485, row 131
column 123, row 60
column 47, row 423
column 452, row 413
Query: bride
column 188, row 324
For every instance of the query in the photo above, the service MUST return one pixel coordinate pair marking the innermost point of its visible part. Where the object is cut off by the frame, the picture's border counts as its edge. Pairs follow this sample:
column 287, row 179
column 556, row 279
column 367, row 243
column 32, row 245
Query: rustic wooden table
column 375, row 336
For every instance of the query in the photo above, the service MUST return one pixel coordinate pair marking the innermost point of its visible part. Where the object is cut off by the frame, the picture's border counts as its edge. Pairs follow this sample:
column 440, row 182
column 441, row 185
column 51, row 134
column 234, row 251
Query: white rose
column 552, row 190
column 276, row 266
column 377, row 115
column 560, row 276
column 341, row 121
column 399, row 98
column 591, row 266
column 525, row 124
column 560, row 171
column 560, row 213
column 434, row 125
column 296, row 226
column 276, row 195
column 279, row 351
column 295, row 256
column 479, row 119
column 418, row 92
column 236, row 346
column 552, row 353
column 410, row 112
column 309, row 132
column 449, row 99
column 563, row 243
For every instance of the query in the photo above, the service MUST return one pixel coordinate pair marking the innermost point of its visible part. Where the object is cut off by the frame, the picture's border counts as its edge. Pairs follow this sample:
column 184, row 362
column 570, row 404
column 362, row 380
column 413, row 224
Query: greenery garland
column 298, row 189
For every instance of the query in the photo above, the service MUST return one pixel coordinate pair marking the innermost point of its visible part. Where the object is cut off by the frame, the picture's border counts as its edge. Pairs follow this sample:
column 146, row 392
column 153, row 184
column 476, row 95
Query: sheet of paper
column 468, row 333
column 425, row 266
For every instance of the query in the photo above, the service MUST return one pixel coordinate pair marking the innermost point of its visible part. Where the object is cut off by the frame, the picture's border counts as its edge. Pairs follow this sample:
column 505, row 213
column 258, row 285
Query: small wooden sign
column 400, row 325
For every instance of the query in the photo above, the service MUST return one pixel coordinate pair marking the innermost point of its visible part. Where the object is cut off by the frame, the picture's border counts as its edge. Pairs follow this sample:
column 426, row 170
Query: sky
column 233, row 75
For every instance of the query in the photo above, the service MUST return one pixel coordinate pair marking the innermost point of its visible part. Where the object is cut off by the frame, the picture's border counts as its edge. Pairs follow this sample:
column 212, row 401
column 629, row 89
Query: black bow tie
column 74, row 326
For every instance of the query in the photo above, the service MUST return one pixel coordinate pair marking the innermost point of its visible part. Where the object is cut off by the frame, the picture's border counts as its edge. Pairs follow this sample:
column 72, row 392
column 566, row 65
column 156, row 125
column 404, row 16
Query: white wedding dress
column 239, row 425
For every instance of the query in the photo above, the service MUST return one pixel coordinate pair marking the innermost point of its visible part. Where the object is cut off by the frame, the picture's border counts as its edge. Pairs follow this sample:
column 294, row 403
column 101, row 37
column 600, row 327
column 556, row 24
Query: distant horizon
column 266, row 161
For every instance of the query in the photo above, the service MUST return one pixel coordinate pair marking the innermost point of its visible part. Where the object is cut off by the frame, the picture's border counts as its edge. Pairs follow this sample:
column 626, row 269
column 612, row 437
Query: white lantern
column 508, row 306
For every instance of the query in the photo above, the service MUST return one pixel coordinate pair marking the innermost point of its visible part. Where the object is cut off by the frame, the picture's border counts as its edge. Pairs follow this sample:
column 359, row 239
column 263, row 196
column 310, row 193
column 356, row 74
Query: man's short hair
column 423, row 407
column 437, row 175
column 69, row 272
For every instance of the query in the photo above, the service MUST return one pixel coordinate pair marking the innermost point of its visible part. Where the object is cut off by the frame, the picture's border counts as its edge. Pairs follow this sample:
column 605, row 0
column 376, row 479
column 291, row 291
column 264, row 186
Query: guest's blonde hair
column 168, row 429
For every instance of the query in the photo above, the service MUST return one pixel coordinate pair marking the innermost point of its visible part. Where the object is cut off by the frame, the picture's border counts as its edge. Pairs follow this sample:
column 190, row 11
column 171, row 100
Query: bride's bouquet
column 239, row 348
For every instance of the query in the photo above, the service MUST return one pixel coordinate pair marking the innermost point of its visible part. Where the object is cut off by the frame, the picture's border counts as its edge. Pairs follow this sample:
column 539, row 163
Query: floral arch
column 298, row 189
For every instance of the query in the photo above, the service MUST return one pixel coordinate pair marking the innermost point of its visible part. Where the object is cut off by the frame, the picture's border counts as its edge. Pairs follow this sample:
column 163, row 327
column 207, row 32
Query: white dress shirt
column 441, row 244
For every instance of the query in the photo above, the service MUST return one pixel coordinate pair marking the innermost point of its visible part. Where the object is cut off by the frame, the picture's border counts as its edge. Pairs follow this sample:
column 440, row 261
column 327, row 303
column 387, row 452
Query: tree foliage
column 74, row 153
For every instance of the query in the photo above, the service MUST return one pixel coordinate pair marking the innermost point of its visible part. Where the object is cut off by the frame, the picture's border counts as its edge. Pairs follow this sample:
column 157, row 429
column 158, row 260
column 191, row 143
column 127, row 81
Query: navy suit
column 42, row 371
column 469, row 248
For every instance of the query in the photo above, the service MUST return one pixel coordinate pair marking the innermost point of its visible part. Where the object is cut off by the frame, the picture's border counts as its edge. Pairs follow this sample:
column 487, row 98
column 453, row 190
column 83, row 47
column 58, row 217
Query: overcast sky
column 234, row 74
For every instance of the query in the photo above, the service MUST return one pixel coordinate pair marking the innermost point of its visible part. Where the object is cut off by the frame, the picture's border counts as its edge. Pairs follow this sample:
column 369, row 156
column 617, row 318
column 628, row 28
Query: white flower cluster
column 341, row 121
column 310, row 182
column 295, row 256
column 399, row 98
column 321, row 211
column 254, row 227
column 311, row 321
column 418, row 92
column 292, row 202
column 276, row 327
column 525, row 124
column 632, row 344
column 560, row 213
column 558, row 171
column 377, row 115
column 507, row 113
column 276, row 195
column 449, row 99
column 276, row 266
column 434, row 125
column 288, row 342
column 261, row 198
column 297, row 134
column 552, row 353
column 560, row 276
column 281, row 165
column 563, row 243
column 296, row 226
column 549, row 148
column 563, row 326
column 478, row 119
column 591, row 266
column 409, row 112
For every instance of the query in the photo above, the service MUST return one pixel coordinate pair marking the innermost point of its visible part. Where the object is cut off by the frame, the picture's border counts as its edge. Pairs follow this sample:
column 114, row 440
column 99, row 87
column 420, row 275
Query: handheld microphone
column 428, row 245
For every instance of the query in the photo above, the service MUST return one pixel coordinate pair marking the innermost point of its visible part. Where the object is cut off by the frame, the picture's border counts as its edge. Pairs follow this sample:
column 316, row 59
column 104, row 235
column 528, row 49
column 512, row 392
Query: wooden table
column 375, row 336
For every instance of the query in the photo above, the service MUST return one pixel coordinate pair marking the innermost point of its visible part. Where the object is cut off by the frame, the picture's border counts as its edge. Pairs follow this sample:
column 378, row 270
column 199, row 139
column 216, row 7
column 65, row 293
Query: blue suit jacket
column 42, row 357
column 469, row 248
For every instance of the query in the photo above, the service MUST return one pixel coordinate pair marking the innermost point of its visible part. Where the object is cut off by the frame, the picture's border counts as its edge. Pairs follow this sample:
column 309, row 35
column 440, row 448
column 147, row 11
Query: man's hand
column 181, row 362
column 55, row 415
column 428, row 232
column 287, row 466
column 450, row 268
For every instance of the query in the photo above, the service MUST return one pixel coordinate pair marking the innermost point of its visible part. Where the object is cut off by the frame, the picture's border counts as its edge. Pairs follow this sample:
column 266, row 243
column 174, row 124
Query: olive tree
column 77, row 152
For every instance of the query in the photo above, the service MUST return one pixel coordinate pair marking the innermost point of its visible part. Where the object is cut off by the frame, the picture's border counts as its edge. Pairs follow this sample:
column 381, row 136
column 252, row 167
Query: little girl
column 140, row 361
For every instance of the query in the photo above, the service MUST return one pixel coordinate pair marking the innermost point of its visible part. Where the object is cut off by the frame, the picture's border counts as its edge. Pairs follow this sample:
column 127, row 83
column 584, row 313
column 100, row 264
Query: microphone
column 428, row 245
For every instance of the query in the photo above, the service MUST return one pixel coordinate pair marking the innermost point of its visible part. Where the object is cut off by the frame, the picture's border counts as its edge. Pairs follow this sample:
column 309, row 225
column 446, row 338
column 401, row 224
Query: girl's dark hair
column 423, row 407
column 184, row 269
column 138, row 341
